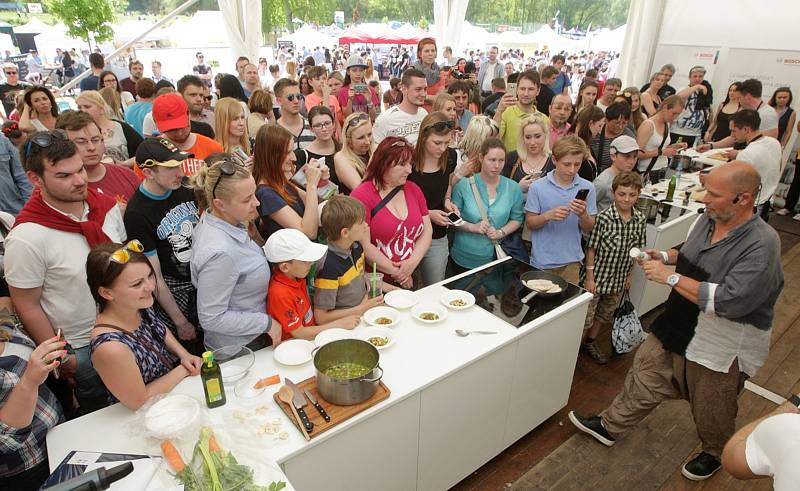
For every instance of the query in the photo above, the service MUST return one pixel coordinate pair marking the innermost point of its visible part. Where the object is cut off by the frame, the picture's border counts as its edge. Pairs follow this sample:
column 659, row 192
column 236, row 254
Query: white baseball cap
column 291, row 244
column 624, row 144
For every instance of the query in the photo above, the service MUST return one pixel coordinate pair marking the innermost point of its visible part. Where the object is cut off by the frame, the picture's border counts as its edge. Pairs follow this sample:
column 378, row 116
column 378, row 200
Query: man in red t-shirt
column 104, row 175
column 171, row 115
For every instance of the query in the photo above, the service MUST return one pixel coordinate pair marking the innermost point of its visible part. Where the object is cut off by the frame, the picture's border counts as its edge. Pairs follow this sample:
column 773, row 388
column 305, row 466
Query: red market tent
column 386, row 36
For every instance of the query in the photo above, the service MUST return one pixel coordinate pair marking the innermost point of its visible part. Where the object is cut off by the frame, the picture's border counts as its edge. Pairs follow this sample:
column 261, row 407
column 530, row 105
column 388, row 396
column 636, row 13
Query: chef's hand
column 656, row 271
column 192, row 364
column 704, row 147
column 577, row 206
column 670, row 151
column 43, row 360
column 655, row 255
column 731, row 154
column 438, row 217
column 275, row 332
column 558, row 213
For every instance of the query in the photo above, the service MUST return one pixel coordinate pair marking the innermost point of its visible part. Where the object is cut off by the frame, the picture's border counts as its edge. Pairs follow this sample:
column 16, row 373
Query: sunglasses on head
column 356, row 122
column 226, row 169
column 44, row 139
column 441, row 126
column 292, row 97
column 123, row 254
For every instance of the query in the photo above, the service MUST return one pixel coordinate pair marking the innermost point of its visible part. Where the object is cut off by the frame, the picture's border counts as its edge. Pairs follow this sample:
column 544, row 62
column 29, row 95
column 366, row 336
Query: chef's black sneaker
column 701, row 467
column 593, row 426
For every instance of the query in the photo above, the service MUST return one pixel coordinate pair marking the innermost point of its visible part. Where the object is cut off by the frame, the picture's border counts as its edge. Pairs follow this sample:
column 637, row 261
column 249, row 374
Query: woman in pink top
column 399, row 231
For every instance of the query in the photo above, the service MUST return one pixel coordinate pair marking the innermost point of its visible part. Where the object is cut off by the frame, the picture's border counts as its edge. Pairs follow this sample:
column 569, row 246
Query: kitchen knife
column 299, row 403
column 317, row 405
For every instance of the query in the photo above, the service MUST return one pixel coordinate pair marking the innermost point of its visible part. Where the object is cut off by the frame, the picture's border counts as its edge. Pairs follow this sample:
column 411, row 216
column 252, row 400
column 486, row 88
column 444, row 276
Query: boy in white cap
column 292, row 254
column 623, row 152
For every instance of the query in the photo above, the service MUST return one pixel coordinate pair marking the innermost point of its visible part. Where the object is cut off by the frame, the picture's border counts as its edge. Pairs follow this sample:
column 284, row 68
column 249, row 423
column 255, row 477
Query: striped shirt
column 304, row 138
column 340, row 283
column 612, row 239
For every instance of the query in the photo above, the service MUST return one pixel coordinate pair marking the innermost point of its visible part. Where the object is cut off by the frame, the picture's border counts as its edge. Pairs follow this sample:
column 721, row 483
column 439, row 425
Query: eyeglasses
column 441, row 126
column 226, row 169
column 43, row 140
column 356, row 122
column 123, row 254
column 10, row 73
column 83, row 141
column 322, row 126
column 292, row 97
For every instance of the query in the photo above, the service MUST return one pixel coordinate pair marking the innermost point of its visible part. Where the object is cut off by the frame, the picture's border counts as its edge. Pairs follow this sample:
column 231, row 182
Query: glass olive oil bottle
column 212, row 381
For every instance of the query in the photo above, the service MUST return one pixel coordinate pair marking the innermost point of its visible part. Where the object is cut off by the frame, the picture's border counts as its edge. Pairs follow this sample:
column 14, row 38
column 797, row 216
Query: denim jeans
column 434, row 265
column 90, row 391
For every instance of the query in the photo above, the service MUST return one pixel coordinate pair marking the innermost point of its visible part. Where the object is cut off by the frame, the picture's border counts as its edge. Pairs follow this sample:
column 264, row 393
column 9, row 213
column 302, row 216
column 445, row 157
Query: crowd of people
column 157, row 220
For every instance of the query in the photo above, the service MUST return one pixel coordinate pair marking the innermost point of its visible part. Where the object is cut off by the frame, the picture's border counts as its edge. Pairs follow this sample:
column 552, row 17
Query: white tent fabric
column 202, row 29
column 6, row 43
column 641, row 38
column 449, row 21
column 130, row 29
column 309, row 37
column 34, row 26
column 243, row 25
column 608, row 40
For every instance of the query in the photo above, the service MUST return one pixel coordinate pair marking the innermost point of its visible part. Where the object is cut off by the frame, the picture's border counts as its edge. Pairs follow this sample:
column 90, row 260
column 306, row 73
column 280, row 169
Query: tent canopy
column 310, row 37
column 379, row 34
column 34, row 26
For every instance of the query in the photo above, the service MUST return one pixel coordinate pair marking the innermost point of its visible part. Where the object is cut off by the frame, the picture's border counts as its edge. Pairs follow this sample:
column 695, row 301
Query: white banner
column 773, row 68
column 684, row 58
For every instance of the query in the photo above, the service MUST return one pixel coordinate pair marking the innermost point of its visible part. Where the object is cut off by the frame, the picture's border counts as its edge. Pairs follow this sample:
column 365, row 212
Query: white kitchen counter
column 455, row 403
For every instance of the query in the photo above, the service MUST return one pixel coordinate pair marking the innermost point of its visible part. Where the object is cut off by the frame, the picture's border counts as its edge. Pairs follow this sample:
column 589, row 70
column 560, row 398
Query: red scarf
column 37, row 211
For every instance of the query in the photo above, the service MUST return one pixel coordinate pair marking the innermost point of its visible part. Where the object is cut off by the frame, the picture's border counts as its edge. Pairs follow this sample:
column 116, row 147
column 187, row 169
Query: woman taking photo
column 356, row 96
column 426, row 63
column 120, row 138
column 491, row 206
column 231, row 129
column 650, row 98
column 260, row 106
column 781, row 100
column 134, row 353
column 39, row 112
column 653, row 138
column 324, row 146
column 109, row 79
column 228, row 266
column 350, row 163
column 720, row 119
column 433, row 164
column 400, row 229
column 282, row 203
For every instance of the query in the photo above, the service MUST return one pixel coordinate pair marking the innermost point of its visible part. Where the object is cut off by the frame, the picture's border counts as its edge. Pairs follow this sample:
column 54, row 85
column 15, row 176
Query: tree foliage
column 89, row 20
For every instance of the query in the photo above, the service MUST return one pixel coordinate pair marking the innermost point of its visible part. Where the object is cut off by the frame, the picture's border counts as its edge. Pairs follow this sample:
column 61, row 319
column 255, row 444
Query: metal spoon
column 286, row 394
column 464, row 333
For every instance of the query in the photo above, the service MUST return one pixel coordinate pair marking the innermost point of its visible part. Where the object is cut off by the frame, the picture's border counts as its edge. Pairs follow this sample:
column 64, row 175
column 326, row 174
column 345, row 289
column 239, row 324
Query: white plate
column 293, row 352
column 333, row 334
column 170, row 415
column 429, row 307
column 458, row 295
column 383, row 332
column 374, row 313
column 401, row 299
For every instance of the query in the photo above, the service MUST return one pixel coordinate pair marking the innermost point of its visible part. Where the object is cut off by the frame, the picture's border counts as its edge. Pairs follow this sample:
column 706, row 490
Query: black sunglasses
column 355, row 122
column 442, row 126
column 292, row 97
column 44, row 139
column 226, row 169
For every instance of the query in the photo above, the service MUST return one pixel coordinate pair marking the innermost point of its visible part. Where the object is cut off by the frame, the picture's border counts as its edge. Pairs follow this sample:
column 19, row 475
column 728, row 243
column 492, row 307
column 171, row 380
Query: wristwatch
column 673, row 279
column 795, row 399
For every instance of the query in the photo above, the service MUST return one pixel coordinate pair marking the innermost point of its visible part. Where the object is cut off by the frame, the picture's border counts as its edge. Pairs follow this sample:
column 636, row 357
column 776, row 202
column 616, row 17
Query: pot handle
column 377, row 367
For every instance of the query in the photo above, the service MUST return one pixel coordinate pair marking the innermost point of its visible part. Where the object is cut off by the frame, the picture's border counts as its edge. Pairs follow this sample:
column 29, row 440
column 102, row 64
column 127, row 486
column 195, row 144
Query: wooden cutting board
column 338, row 414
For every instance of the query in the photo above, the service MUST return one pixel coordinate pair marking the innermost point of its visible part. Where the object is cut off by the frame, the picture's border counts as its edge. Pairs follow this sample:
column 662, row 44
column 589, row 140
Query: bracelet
column 502, row 232
column 664, row 256
column 589, row 268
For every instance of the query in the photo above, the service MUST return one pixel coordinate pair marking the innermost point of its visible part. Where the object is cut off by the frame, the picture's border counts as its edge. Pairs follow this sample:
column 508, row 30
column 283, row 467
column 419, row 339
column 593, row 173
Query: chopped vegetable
column 267, row 381
column 378, row 341
column 458, row 303
column 429, row 316
column 383, row 321
column 213, row 445
column 174, row 458
column 346, row 371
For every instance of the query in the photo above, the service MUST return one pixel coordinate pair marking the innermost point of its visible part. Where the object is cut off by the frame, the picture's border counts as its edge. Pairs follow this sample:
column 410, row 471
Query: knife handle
column 322, row 412
column 304, row 418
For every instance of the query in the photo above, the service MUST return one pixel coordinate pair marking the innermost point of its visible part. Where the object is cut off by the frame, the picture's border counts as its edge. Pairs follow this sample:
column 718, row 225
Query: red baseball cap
column 170, row 112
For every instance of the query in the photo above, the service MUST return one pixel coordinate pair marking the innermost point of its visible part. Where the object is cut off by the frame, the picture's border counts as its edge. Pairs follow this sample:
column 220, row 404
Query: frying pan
column 542, row 275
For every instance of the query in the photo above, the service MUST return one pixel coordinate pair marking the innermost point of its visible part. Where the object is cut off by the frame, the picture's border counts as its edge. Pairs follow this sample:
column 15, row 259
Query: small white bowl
column 420, row 309
column 234, row 361
column 372, row 315
column 453, row 295
column 401, row 299
column 246, row 392
column 381, row 332
column 293, row 352
column 333, row 334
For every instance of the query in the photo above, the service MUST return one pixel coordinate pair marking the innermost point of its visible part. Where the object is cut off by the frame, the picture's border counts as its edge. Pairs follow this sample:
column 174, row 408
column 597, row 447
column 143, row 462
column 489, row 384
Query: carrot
column 213, row 445
column 173, row 456
column 267, row 381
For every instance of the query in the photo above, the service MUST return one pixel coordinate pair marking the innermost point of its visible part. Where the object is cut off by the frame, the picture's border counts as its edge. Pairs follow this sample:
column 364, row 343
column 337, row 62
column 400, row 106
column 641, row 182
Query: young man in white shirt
column 763, row 152
column 48, row 283
column 404, row 119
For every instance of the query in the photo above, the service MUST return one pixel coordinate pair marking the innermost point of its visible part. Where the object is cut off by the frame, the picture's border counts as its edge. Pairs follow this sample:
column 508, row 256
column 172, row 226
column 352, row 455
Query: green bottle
column 211, row 376
column 673, row 183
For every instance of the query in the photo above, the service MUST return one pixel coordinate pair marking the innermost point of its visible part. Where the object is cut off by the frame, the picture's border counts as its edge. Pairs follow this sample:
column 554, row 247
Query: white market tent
column 6, row 43
column 309, row 37
column 607, row 39
column 129, row 29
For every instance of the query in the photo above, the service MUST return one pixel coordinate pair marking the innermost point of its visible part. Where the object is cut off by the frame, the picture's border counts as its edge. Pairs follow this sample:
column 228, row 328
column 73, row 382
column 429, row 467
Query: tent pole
column 72, row 83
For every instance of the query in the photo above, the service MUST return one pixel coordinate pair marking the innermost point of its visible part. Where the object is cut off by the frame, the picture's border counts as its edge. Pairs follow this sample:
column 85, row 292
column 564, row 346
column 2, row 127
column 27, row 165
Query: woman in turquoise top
column 501, row 198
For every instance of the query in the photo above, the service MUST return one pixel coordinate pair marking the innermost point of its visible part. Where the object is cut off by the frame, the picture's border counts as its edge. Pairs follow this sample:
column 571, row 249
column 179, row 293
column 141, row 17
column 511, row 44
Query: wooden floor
column 555, row 456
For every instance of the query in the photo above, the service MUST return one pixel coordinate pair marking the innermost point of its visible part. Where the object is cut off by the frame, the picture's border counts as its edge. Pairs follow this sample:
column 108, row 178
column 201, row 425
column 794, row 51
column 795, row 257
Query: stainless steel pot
column 648, row 206
column 351, row 391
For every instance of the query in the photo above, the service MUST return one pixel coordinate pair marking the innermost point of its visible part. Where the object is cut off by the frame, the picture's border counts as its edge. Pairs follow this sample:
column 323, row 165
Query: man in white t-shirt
column 769, row 446
column 763, row 152
column 45, row 260
column 404, row 119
